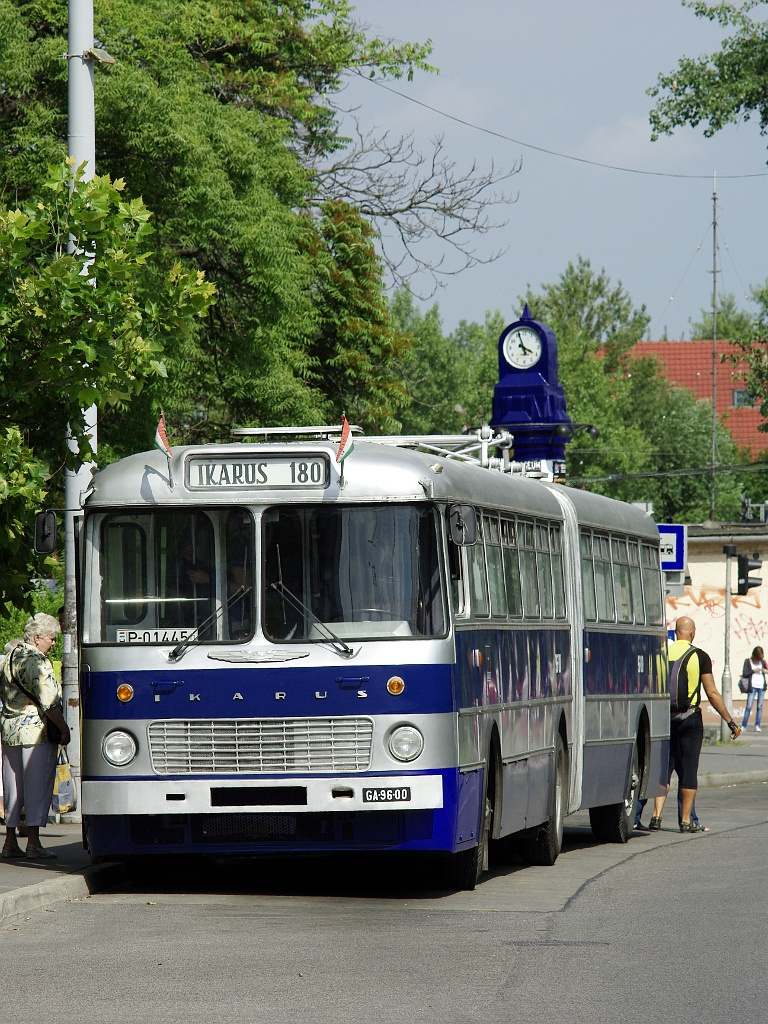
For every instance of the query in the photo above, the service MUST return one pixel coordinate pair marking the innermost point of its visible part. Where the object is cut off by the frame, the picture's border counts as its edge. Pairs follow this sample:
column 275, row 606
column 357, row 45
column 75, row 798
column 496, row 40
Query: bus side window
column 558, row 578
column 638, row 608
column 544, row 571
column 528, row 574
column 588, row 577
column 478, row 583
column 621, row 578
column 606, row 606
column 495, row 567
column 511, row 567
column 652, row 585
column 458, row 590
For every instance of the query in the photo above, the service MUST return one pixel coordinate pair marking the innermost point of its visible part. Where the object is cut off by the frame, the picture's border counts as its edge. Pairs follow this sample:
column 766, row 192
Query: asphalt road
column 667, row 926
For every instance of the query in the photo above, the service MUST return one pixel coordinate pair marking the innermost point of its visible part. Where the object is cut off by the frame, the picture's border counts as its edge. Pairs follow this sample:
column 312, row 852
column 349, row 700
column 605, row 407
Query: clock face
column 522, row 348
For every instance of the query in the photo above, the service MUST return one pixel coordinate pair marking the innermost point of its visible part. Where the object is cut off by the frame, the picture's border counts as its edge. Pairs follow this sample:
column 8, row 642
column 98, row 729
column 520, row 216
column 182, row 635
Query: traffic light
column 746, row 565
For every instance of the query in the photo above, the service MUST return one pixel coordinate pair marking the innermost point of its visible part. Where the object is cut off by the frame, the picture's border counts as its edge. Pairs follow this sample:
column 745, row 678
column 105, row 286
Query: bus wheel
column 613, row 822
column 544, row 848
column 465, row 869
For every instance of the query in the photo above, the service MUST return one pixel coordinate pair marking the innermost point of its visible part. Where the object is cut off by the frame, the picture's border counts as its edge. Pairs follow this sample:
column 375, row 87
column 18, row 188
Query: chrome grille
column 261, row 745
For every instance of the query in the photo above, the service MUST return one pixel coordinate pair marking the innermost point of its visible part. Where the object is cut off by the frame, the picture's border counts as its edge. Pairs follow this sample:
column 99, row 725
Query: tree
column 356, row 347
column 448, row 379
column 732, row 322
column 82, row 322
column 221, row 115
column 721, row 88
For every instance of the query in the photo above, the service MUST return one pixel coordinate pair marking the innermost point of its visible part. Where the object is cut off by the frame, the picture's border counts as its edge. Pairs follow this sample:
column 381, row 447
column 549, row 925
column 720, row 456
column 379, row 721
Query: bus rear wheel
column 613, row 822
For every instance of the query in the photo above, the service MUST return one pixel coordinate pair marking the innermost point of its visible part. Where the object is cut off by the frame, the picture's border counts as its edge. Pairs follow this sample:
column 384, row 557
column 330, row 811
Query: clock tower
column 528, row 399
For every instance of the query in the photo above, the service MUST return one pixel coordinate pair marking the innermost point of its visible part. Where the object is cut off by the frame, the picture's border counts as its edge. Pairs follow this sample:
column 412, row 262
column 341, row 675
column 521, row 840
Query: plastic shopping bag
column 64, row 792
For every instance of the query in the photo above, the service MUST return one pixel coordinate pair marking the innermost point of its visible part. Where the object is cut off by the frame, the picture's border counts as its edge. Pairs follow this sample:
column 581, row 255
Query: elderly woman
column 29, row 759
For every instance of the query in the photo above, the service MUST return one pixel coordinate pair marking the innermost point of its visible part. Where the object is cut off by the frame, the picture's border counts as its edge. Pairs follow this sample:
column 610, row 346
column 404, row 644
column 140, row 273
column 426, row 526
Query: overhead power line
column 752, row 467
column 543, row 149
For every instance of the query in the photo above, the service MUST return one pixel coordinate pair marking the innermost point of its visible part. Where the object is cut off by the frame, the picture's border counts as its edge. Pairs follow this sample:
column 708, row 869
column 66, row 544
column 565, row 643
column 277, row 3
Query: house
column 688, row 364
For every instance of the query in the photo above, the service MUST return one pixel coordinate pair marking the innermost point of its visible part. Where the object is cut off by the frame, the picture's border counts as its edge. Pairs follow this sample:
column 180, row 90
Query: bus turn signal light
column 125, row 692
column 395, row 685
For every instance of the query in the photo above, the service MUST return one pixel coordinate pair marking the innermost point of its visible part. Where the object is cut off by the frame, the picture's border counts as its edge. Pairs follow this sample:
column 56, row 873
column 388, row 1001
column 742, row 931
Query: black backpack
column 680, row 700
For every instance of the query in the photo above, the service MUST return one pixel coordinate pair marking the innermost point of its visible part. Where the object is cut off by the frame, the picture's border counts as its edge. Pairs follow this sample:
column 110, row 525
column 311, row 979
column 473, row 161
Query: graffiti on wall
column 706, row 606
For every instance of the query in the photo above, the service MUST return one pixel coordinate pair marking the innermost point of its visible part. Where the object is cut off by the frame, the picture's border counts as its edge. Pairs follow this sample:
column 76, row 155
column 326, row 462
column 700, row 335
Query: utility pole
column 714, row 342
column 81, row 144
column 726, row 686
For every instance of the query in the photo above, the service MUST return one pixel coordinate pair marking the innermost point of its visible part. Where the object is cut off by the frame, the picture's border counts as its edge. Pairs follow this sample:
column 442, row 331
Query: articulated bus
column 409, row 650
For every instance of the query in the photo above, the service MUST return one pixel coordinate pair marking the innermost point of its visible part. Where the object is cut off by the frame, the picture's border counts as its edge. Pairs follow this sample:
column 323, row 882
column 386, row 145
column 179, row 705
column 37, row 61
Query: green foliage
column 449, row 380
column 722, row 88
column 77, row 328
column 732, row 322
column 356, row 346
column 47, row 596
column 588, row 315
column 218, row 113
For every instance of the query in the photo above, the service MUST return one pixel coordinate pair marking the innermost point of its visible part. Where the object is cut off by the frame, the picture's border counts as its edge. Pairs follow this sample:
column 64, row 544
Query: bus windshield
column 365, row 571
column 159, row 577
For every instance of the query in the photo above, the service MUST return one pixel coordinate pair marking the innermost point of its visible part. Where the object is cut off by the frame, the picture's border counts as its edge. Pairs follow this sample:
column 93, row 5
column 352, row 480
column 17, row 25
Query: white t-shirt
column 758, row 679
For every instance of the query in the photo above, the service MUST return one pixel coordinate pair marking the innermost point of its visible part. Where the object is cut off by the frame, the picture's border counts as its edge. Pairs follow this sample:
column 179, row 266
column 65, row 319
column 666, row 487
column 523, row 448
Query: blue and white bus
column 411, row 650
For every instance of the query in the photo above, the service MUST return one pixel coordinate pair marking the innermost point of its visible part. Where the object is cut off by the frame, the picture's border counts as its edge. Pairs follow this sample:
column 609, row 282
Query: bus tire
column 464, row 870
column 544, row 848
column 613, row 822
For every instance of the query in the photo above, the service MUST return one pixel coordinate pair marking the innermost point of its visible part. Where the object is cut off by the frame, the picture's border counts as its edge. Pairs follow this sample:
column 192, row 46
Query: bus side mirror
column 45, row 532
column 463, row 525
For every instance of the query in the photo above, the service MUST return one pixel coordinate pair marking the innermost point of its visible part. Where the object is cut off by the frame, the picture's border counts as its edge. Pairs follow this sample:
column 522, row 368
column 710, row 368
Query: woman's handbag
column 64, row 790
column 52, row 730
column 745, row 684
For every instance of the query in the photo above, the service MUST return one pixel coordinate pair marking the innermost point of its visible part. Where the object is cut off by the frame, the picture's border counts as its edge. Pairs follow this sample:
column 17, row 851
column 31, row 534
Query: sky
column 570, row 76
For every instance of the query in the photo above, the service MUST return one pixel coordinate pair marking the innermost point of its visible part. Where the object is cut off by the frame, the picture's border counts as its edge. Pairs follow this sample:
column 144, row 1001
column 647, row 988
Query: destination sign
column 256, row 472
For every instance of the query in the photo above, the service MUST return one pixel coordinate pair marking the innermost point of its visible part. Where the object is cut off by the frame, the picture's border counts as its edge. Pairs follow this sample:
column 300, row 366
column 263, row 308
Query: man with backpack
column 690, row 668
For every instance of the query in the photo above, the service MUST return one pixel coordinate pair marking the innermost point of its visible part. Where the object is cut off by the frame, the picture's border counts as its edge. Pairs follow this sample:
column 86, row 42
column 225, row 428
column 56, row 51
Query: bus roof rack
column 471, row 447
column 324, row 432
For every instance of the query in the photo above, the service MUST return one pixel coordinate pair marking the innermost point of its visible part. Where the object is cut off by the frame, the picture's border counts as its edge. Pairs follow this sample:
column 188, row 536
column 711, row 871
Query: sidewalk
column 26, row 886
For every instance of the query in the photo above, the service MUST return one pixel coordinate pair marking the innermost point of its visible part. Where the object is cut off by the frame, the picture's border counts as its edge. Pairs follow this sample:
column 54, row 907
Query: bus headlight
column 119, row 748
column 406, row 743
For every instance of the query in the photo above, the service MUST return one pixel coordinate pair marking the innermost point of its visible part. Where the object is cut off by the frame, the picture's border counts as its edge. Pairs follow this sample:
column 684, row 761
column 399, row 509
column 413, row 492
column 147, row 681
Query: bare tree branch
column 411, row 199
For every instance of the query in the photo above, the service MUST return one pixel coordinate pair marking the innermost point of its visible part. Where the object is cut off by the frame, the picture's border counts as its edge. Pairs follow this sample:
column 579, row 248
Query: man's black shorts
column 685, row 739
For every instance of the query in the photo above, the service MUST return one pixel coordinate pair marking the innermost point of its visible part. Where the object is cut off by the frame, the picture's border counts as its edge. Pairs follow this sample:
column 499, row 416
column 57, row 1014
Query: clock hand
column 525, row 351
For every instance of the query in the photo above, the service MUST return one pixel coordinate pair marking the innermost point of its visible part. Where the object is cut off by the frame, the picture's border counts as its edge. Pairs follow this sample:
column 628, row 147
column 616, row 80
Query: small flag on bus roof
column 161, row 438
column 347, row 444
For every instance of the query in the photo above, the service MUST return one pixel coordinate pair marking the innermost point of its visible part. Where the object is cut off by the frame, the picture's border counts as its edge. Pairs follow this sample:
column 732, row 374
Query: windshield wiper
column 298, row 606
column 179, row 650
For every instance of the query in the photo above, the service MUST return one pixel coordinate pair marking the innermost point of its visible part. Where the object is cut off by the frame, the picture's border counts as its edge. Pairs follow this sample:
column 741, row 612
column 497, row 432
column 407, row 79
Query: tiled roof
column 688, row 364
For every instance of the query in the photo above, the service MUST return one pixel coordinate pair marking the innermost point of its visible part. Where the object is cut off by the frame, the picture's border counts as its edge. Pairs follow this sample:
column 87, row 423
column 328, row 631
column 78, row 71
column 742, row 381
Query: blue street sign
column 674, row 546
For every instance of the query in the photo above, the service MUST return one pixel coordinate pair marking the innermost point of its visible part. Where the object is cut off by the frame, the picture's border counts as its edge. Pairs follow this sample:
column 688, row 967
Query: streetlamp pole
column 81, row 145
column 729, row 550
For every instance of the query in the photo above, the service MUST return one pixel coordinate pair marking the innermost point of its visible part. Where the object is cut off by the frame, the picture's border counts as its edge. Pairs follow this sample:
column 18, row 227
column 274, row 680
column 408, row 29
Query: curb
column 717, row 779
column 18, row 903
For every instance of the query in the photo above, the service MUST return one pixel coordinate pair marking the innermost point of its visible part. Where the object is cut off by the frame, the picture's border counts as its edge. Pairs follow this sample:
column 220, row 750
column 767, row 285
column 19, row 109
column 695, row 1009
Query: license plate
column 382, row 795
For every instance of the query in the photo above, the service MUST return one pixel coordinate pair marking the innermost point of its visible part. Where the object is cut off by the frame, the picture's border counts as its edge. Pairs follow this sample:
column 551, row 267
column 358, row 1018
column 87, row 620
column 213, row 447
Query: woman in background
column 754, row 669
